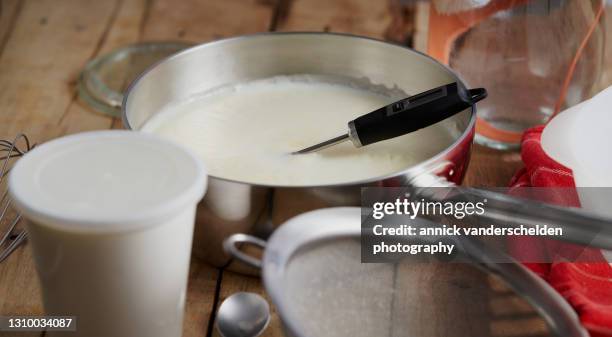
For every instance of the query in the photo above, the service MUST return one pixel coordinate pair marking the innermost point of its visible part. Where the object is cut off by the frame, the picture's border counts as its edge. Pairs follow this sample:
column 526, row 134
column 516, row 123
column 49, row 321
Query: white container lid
column 113, row 180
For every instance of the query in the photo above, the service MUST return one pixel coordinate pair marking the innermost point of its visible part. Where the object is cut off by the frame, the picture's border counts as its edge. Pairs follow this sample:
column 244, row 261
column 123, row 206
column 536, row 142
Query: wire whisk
column 10, row 218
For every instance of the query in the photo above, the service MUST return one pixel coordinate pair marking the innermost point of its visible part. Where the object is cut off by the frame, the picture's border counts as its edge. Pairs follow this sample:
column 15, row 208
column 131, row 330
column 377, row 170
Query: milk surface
column 246, row 132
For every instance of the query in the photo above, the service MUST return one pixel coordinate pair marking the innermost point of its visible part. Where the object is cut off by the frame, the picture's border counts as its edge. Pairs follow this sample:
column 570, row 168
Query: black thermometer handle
column 413, row 113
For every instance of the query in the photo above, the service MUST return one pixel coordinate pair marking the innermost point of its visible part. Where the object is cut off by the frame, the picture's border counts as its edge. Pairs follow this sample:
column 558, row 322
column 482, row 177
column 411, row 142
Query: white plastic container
column 580, row 138
column 111, row 217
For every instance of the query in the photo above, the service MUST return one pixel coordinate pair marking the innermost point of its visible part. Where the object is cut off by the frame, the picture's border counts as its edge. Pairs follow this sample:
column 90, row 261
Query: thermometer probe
column 405, row 116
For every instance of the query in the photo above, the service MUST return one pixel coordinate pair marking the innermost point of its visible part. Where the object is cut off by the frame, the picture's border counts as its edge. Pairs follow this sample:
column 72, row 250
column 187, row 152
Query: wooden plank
column 200, row 298
column 361, row 17
column 430, row 300
column 199, row 21
column 47, row 45
column 9, row 13
column 492, row 168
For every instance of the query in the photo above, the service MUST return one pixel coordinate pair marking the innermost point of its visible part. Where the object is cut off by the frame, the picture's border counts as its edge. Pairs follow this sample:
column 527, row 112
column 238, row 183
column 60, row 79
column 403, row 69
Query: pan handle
column 579, row 227
column 230, row 245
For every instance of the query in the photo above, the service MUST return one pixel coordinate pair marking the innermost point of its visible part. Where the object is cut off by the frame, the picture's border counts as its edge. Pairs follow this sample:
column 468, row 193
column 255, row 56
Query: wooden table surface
column 45, row 43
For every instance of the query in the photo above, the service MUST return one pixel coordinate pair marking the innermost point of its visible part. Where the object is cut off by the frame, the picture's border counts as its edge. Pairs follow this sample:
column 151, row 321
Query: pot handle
column 579, row 227
column 230, row 245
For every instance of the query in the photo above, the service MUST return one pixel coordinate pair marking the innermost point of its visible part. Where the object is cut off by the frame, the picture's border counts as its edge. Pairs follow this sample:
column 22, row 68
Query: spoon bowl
column 243, row 315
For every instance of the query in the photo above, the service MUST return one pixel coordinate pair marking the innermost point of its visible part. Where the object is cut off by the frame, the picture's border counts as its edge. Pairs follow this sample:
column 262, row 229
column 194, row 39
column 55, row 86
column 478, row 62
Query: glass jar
column 535, row 57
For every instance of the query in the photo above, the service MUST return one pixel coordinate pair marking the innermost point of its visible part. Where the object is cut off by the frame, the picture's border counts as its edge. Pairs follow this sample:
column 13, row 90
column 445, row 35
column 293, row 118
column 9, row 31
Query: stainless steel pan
column 236, row 207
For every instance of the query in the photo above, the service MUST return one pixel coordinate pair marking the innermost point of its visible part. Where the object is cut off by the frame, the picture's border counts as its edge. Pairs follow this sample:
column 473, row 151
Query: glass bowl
column 104, row 80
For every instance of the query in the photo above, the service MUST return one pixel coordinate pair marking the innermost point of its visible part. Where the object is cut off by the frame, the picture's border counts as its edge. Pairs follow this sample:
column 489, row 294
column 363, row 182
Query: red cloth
column 587, row 286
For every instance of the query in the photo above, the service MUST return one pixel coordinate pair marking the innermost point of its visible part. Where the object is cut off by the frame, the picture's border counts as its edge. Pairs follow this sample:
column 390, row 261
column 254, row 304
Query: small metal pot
column 321, row 249
column 236, row 207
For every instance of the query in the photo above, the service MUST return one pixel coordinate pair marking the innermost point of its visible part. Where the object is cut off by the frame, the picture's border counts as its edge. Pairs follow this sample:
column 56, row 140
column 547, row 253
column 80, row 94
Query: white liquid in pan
column 247, row 132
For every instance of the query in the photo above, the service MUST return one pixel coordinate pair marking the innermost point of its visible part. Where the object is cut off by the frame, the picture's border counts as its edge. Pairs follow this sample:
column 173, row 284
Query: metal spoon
column 243, row 315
